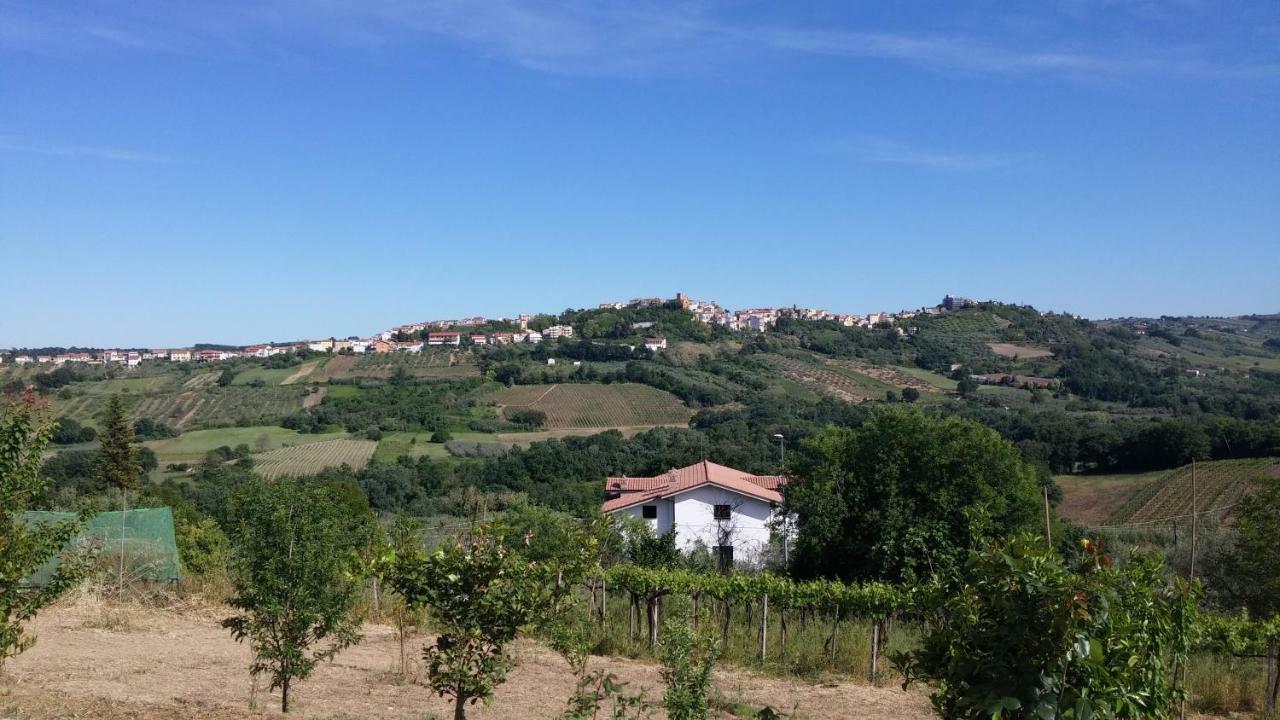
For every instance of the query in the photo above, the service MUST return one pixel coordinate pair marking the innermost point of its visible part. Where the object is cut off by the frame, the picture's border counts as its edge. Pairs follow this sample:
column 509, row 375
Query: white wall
column 746, row 529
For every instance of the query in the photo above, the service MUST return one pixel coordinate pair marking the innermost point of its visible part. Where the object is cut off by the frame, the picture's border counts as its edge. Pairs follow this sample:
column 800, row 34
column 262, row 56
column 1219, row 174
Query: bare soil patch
column 1019, row 352
column 314, row 398
column 160, row 665
column 304, row 370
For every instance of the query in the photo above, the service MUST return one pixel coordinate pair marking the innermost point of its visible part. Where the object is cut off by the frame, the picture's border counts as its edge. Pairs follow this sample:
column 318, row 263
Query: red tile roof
column 634, row 491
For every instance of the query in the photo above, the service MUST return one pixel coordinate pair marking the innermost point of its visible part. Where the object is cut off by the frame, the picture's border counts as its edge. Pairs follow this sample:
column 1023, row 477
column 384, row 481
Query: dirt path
column 303, row 371
column 314, row 398
column 150, row 665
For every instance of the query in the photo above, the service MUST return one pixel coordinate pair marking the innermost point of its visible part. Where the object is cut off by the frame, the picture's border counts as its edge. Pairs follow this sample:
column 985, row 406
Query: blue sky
column 175, row 172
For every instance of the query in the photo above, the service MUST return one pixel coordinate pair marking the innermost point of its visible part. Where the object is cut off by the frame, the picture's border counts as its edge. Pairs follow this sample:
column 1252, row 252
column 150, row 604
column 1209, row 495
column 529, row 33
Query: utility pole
column 782, row 449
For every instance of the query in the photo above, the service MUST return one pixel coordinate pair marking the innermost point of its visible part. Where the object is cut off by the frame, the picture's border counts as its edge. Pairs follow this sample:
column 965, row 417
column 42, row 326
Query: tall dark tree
column 119, row 464
column 905, row 496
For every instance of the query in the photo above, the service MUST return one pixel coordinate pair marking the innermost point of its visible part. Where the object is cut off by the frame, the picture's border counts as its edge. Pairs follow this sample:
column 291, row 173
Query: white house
column 728, row 511
column 656, row 343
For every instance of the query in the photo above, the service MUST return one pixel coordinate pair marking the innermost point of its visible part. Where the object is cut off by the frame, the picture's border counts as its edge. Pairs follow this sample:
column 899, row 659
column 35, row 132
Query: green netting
column 150, row 549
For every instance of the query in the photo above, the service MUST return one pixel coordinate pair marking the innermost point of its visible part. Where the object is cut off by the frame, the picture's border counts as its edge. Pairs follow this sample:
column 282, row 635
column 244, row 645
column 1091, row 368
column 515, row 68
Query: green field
column 343, row 391
column 603, row 406
column 938, row 380
column 269, row 376
column 192, row 446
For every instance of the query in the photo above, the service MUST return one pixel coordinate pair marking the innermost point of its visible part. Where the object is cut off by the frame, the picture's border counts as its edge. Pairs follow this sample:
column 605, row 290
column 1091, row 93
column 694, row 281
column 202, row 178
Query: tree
column 119, row 465
column 966, row 386
column 910, row 394
column 295, row 563
column 481, row 594
column 904, row 496
column 1023, row 636
column 1248, row 572
column 25, row 428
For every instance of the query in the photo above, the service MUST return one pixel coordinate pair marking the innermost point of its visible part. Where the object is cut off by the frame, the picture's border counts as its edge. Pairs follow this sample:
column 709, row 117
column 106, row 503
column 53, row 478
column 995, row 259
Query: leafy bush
column 688, row 657
column 1021, row 635
column 70, row 431
column 527, row 417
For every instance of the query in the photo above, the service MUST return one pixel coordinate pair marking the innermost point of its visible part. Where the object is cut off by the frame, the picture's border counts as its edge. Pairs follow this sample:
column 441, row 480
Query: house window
column 649, row 512
column 724, row 557
column 721, row 512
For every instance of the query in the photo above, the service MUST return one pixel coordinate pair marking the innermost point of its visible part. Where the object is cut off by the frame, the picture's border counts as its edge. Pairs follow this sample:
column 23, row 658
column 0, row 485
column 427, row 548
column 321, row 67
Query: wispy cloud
column 11, row 144
column 885, row 151
column 623, row 39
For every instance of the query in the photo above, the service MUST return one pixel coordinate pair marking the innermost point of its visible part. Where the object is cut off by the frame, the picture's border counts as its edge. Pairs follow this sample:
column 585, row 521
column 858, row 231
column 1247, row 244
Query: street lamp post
column 786, row 526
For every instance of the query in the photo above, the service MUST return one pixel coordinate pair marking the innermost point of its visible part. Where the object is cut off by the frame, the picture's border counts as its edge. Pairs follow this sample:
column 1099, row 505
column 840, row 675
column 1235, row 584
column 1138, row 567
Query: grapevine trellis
column 756, row 596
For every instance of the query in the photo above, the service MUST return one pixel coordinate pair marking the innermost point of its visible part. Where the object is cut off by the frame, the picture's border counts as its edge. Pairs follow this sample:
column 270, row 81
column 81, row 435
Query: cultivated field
column 1219, row 486
column 597, row 406
column 192, row 446
column 1019, row 352
column 338, row 366
column 314, row 457
column 1153, row 497
column 430, row 364
column 824, row 380
column 850, row 380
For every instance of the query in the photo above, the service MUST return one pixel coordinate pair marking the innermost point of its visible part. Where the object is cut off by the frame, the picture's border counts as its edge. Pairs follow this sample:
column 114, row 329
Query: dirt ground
column 99, row 661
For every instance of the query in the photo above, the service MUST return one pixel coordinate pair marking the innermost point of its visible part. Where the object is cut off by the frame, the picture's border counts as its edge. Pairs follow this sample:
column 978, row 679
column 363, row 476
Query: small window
column 649, row 512
column 721, row 512
column 724, row 557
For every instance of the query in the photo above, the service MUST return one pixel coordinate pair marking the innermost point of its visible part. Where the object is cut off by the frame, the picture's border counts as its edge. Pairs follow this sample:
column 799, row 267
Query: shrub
column 441, row 436
column 688, row 657
column 24, row 433
column 1020, row 635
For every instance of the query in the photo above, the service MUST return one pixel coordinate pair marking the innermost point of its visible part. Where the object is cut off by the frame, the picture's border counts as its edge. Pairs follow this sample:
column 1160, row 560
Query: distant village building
column 955, row 303
column 558, row 331
column 656, row 343
column 479, row 339
column 727, row 511
column 180, row 355
column 444, row 338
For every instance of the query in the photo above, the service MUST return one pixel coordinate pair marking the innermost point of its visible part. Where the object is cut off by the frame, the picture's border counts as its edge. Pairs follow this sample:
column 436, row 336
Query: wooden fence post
column 835, row 631
column 782, row 631
column 875, row 648
column 764, row 625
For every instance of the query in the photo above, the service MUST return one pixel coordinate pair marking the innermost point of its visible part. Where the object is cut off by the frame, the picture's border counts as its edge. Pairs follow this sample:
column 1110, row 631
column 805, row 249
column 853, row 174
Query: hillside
column 1128, row 396
column 1155, row 497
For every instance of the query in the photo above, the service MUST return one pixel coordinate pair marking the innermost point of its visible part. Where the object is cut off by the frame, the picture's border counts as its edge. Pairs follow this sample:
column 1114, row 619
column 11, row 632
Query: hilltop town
column 481, row 331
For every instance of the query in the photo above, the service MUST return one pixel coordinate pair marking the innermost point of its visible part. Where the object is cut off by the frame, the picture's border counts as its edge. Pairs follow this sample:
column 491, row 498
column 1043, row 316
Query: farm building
column 728, row 511
column 656, row 343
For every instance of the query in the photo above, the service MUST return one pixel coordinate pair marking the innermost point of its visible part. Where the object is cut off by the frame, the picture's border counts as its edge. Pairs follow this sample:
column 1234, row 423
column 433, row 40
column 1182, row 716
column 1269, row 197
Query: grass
column 938, row 380
column 806, row 655
column 602, row 406
column 269, row 376
column 414, row 444
column 343, row 391
column 1093, row 499
column 193, row 445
